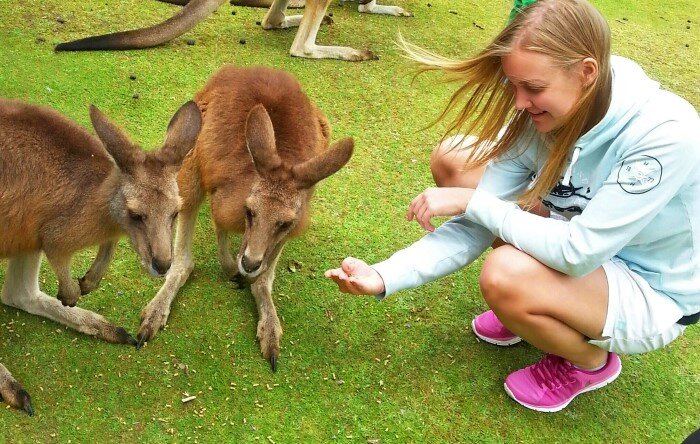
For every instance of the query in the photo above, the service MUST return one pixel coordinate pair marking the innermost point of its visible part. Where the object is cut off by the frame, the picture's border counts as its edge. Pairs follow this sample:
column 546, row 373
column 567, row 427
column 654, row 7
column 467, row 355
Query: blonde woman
column 590, row 196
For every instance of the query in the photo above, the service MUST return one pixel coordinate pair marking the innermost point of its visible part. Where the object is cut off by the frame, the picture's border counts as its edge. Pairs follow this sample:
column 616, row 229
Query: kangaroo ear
column 182, row 133
column 260, row 140
column 115, row 141
column 315, row 170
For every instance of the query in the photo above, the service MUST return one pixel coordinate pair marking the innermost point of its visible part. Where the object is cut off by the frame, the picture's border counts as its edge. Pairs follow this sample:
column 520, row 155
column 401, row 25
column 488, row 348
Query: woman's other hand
column 438, row 202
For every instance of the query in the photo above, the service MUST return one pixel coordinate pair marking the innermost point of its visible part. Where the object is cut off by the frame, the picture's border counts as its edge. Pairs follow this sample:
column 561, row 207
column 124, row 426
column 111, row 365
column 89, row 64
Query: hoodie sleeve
column 642, row 182
column 457, row 242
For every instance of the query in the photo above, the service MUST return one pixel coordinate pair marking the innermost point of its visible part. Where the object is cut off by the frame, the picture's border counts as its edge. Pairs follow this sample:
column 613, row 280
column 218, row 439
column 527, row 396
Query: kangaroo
column 195, row 11
column 62, row 190
column 367, row 6
column 263, row 147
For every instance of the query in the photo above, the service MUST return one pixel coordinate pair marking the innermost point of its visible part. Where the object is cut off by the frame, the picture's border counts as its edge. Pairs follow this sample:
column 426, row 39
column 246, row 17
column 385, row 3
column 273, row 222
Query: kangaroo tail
column 187, row 18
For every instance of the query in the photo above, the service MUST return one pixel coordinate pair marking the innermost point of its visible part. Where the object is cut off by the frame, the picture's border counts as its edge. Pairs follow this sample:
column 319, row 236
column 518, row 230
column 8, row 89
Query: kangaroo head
column 277, row 207
column 145, row 198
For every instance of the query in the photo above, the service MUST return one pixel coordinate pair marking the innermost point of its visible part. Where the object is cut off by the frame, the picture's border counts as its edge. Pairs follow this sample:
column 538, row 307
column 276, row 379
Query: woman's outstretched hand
column 438, row 202
column 356, row 277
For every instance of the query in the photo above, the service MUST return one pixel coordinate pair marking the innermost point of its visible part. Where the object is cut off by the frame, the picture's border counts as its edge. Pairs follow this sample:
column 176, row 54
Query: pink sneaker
column 487, row 327
column 551, row 384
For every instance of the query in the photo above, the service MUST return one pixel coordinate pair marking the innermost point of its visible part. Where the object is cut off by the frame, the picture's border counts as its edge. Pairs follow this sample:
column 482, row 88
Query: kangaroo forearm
column 99, row 266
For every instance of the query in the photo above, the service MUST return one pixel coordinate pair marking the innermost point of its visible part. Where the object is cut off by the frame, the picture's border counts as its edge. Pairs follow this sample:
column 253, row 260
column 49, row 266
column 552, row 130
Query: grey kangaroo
column 195, row 11
column 63, row 189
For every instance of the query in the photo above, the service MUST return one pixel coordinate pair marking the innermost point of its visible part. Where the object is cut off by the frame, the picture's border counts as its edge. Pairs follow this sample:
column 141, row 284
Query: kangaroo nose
column 160, row 266
column 248, row 265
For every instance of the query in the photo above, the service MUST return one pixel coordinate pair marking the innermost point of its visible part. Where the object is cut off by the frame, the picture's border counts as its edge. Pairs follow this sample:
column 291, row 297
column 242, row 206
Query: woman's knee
column 506, row 276
column 447, row 163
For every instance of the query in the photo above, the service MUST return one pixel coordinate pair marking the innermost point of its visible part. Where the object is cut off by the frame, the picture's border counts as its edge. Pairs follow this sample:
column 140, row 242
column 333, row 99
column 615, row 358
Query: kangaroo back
column 49, row 166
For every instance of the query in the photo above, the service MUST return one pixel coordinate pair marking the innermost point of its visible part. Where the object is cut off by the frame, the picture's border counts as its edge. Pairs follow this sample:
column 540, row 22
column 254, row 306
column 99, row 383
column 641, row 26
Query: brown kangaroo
column 62, row 190
column 195, row 11
column 262, row 148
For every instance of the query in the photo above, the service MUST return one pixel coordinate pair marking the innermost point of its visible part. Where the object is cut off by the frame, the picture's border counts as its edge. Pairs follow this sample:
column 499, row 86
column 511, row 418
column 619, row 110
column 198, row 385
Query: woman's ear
column 589, row 71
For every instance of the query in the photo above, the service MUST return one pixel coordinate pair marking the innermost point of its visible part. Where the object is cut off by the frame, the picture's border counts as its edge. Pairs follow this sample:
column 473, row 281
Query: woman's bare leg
column 552, row 311
column 448, row 164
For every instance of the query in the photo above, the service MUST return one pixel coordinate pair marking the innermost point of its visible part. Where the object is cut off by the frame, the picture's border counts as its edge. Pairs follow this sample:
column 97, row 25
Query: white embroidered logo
column 639, row 176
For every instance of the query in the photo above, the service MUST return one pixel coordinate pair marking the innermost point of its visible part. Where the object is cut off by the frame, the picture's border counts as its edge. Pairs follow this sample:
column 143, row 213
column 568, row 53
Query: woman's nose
column 522, row 101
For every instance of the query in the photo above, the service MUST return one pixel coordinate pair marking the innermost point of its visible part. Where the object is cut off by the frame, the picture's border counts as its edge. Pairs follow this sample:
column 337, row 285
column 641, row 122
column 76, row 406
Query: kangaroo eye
column 282, row 226
column 174, row 215
column 136, row 217
column 249, row 215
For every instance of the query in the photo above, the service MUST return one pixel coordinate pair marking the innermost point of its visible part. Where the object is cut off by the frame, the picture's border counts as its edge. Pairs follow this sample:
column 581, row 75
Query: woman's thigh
column 530, row 286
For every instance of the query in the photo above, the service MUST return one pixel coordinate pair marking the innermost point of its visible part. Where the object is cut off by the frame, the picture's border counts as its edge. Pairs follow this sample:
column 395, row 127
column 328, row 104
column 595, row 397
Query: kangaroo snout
column 249, row 266
column 160, row 266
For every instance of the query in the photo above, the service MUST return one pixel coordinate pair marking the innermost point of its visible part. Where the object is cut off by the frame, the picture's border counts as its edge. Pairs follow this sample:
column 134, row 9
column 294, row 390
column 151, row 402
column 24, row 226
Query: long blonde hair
column 568, row 31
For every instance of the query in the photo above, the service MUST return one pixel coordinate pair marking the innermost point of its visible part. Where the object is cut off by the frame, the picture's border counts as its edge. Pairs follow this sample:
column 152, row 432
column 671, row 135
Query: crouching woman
column 585, row 177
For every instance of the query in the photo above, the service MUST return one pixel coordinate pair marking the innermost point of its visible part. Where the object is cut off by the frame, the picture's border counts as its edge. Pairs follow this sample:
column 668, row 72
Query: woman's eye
column 534, row 89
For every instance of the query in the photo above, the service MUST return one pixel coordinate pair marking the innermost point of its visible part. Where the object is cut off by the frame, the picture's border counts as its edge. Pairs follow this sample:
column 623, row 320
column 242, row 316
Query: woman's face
column 547, row 92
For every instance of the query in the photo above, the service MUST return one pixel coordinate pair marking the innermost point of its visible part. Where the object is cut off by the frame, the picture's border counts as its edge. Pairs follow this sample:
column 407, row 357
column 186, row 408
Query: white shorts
column 639, row 319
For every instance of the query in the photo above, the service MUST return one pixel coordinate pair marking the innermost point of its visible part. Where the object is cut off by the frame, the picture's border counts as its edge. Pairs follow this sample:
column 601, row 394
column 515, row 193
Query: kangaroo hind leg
column 21, row 290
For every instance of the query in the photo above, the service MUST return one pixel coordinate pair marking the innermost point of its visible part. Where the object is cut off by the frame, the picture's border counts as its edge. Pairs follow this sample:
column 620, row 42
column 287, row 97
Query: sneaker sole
column 493, row 341
column 562, row 406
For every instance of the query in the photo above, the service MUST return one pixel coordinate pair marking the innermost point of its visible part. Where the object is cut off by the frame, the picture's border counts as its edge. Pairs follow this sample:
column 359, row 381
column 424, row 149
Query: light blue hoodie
column 631, row 190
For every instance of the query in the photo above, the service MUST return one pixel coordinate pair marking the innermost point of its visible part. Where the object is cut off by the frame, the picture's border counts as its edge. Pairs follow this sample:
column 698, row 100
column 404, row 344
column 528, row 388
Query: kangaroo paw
column 239, row 280
column 269, row 334
column 86, row 286
column 144, row 334
column 152, row 320
column 68, row 300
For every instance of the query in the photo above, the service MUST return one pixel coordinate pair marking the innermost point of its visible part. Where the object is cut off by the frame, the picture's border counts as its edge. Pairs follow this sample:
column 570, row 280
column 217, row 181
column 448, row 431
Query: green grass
column 411, row 370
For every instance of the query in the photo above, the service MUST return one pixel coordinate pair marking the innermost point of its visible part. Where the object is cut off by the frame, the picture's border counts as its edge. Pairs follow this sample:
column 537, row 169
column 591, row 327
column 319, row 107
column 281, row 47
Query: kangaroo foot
column 123, row 337
column 12, row 392
column 269, row 334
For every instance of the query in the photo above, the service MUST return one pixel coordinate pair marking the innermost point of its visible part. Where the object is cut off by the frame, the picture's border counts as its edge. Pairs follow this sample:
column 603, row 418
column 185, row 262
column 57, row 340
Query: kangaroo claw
column 273, row 362
column 26, row 402
column 141, row 340
column 124, row 337
column 239, row 280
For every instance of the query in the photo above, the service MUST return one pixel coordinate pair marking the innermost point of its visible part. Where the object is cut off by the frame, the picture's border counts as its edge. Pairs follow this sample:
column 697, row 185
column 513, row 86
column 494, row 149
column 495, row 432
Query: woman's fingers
column 356, row 277
column 420, row 210
column 346, row 283
column 435, row 202
column 411, row 213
